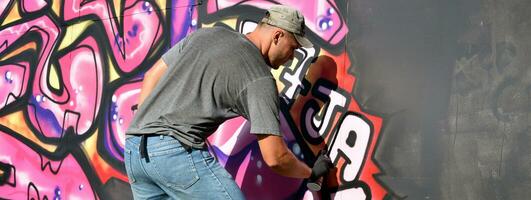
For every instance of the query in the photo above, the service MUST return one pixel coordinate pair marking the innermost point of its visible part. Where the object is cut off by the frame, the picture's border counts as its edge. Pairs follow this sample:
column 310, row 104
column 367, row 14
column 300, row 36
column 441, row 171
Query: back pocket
column 175, row 168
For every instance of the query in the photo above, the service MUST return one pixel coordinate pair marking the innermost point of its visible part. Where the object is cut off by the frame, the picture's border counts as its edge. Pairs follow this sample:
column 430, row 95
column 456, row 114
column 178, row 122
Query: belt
column 143, row 145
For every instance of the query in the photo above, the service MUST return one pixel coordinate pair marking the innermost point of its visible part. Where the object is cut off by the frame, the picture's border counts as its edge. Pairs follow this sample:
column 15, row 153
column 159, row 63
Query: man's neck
column 257, row 38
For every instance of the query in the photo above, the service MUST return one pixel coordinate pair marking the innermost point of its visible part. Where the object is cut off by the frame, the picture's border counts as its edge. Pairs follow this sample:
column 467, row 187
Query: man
column 210, row 76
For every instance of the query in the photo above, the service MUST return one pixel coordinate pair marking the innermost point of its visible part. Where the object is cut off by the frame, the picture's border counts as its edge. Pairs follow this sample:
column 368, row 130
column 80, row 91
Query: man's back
column 206, row 76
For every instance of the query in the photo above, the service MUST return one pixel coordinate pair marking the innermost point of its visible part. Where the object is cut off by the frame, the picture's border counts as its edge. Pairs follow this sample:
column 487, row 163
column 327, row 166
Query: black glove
column 322, row 166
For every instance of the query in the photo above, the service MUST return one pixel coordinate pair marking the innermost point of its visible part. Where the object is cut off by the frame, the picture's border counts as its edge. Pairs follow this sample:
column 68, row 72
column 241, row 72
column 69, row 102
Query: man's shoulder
column 216, row 37
column 216, row 30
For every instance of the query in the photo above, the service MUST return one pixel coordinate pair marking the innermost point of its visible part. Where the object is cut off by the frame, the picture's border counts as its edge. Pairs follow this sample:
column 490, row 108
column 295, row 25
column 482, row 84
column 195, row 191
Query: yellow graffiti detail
column 229, row 22
column 276, row 73
column 16, row 52
column 161, row 4
column 207, row 25
column 53, row 78
column 113, row 75
column 15, row 121
column 117, row 10
column 90, row 144
column 13, row 15
column 72, row 33
column 56, row 7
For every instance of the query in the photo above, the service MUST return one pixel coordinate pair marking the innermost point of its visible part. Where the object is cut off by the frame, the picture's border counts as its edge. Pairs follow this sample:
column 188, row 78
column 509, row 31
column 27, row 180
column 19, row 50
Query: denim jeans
column 174, row 173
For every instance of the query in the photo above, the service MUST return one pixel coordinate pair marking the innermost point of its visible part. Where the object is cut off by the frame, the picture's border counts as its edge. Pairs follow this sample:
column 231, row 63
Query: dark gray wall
column 452, row 80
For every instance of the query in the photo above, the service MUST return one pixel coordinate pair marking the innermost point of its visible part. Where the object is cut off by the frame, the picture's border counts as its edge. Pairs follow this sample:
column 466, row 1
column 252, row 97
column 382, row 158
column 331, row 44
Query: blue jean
column 174, row 173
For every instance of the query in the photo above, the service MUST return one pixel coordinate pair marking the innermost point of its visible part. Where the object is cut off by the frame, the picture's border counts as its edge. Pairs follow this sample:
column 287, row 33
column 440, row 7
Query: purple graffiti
column 184, row 19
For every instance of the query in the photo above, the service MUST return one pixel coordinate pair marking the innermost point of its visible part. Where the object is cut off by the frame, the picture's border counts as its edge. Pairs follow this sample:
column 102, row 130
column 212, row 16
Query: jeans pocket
column 213, row 163
column 128, row 166
column 176, row 168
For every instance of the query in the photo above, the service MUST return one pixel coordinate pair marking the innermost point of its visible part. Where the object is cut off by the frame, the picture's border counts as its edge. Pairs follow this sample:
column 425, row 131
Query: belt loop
column 188, row 148
column 161, row 137
column 143, row 148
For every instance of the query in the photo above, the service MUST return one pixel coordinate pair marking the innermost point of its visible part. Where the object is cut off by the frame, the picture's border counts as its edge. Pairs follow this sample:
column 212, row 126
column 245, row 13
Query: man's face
column 283, row 49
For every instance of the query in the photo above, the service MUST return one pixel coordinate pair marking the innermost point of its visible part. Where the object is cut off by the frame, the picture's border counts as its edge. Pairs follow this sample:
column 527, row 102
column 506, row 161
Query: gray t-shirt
column 213, row 75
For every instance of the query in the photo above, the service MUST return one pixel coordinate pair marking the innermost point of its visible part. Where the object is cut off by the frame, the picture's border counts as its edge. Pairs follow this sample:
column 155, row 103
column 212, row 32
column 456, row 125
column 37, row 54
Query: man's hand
column 322, row 166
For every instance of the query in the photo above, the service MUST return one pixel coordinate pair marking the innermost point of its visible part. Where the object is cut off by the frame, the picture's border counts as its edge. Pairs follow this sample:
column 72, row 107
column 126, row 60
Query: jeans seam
column 165, row 152
column 132, row 177
column 142, row 163
column 163, row 143
column 215, row 177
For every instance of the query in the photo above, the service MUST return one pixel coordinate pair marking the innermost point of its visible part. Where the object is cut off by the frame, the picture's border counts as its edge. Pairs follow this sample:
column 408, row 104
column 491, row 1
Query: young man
column 210, row 76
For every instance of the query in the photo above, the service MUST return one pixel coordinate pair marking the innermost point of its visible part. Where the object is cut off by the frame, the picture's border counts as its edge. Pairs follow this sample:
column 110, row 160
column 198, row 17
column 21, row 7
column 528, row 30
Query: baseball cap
column 289, row 19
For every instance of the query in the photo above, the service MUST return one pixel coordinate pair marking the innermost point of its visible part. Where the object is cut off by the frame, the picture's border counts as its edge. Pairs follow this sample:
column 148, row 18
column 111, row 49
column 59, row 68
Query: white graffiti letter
column 351, row 193
column 336, row 100
column 352, row 140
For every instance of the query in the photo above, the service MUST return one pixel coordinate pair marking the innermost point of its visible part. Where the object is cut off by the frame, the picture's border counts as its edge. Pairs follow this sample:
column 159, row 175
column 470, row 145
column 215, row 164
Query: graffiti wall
column 414, row 99
column 71, row 72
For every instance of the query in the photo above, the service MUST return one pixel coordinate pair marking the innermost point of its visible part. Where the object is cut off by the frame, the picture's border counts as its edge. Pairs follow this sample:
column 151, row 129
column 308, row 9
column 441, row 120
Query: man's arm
column 151, row 78
column 280, row 159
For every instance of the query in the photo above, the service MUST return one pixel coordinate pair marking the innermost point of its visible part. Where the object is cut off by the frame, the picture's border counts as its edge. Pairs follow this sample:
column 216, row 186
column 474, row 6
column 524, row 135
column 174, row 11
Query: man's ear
column 276, row 36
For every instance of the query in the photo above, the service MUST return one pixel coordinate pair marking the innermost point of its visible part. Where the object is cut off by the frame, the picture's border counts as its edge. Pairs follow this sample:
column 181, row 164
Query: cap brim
column 303, row 41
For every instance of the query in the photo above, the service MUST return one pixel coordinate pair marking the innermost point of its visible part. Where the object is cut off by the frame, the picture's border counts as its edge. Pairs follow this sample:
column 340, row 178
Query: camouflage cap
column 289, row 19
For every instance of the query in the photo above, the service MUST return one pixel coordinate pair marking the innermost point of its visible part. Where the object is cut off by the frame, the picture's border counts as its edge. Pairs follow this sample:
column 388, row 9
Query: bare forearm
column 290, row 166
column 280, row 159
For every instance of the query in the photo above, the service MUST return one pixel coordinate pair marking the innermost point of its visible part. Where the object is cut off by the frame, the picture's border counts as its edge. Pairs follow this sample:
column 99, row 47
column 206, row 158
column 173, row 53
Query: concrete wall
column 415, row 99
column 452, row 80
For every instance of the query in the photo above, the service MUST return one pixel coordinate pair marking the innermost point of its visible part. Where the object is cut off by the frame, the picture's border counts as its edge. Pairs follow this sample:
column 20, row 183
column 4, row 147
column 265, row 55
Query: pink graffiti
column 120, row 114
column 3, row 6
column 81, row 91
column 13, row 82
column 322, row 16
column 33, row 5
column 44, row 26
column 33, row 176
column 255, row 177
column 133, row 40
column 232, row 136
column 48, row 32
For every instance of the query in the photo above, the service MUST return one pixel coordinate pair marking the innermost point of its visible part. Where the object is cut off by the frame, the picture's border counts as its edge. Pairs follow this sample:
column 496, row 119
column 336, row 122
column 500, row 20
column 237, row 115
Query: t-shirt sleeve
column 258, row 103
column 171, row 56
